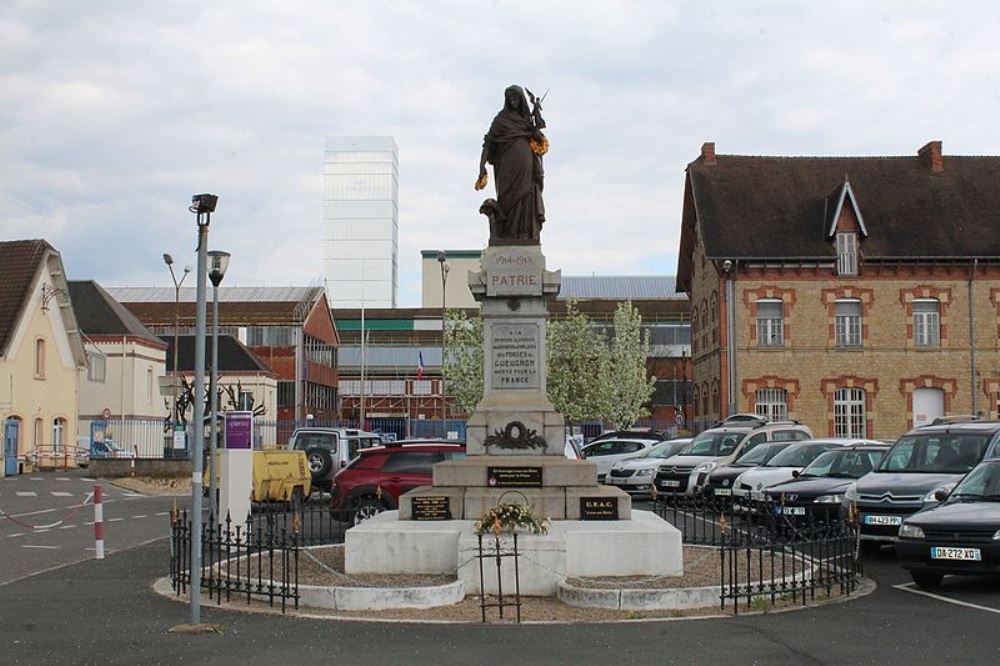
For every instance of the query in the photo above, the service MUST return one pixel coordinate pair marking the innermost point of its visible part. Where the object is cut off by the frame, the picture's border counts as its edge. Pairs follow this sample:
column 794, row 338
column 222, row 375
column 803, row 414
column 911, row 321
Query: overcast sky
column 112, row 114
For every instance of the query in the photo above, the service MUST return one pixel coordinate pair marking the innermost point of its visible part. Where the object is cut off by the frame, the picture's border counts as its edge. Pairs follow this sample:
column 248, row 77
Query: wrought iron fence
column 312, row 523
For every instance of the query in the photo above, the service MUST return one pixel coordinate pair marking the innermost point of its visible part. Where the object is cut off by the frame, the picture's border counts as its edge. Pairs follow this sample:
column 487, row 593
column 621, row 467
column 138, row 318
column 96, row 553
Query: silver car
column 635, row 475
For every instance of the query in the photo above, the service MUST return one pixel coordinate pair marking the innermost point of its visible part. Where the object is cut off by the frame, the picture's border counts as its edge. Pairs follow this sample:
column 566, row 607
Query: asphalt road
column 104, row 612
column 48, row 521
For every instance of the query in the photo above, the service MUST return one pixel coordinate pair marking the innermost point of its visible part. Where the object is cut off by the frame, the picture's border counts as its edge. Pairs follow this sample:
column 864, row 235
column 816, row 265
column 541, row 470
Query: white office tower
column 361, row 214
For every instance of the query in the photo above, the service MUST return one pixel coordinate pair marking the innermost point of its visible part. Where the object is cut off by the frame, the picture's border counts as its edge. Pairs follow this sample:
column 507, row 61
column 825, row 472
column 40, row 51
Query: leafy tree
column 463, row 361
column 631, row 387
column 578, row 367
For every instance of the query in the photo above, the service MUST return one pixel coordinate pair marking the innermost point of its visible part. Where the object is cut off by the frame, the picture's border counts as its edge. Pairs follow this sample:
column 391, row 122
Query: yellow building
column 859, row 295
column 41, row 355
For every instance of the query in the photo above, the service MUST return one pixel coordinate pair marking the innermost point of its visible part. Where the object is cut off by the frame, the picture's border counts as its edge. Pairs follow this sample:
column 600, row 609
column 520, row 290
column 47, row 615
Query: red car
column 374, row 480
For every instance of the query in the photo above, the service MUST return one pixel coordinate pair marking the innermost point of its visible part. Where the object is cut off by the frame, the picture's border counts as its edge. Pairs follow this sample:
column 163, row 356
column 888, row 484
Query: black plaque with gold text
column 436, row 507
column 514, row 477
column 598, row 508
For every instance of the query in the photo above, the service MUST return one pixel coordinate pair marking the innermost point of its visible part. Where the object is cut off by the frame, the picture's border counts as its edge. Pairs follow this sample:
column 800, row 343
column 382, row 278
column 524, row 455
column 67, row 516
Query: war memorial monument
column 515, row 438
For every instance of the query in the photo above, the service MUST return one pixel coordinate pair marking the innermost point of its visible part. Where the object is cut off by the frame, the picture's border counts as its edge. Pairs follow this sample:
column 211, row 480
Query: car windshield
column 982, row 483
column 843, row 464
column 664, row 450
column 759, row 455
column 715, row 443
column 799, row 455
column 941, row 453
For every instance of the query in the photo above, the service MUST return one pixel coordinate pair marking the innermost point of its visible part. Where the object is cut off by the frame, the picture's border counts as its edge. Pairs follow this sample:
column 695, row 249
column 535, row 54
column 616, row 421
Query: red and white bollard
column 98, row 522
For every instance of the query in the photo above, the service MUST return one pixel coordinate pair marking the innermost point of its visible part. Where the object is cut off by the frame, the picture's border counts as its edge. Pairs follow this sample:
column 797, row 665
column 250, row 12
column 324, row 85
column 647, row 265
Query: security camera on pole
column 202, row 205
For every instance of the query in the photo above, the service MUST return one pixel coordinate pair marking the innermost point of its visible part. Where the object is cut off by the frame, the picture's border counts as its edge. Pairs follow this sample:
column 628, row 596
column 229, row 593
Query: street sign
column 106, row 414
column 239, row 430
column 679, row 419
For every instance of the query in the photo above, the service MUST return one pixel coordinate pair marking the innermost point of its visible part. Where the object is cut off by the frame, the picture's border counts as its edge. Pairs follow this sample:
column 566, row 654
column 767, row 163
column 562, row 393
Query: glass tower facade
column 361, row 216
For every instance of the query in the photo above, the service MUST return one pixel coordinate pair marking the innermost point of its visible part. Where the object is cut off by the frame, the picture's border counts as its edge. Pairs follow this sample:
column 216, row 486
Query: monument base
column 644, row 545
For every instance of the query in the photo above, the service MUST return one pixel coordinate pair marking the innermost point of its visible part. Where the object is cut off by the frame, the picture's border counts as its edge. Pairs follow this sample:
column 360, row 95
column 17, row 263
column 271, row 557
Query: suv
column 374, row 480
column 716, row 447
column 925, row 459
column 328, row 450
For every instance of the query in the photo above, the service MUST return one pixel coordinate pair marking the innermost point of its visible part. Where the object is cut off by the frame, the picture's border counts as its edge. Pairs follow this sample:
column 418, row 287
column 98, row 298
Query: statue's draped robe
column 518, row 174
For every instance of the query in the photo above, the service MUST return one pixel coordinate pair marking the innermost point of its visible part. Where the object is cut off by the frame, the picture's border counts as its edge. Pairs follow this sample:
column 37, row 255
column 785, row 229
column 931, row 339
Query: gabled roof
column 843, row 195
column 233, row 355
column 750, row 207
column 238, row 306
column 19, row 262
column 98, row 313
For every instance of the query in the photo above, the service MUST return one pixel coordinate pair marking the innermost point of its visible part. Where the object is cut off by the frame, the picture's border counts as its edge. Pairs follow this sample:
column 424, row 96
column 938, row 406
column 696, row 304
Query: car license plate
column 740, row 493
column 613, row 480
column 793, row 510
column 757, row 495
column 723, row 492
column 883, row 520
column 670, row 483
column 946, row 553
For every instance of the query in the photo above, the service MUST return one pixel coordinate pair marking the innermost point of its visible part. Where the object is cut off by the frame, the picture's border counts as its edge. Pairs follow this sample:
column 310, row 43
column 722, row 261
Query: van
column 328, row 450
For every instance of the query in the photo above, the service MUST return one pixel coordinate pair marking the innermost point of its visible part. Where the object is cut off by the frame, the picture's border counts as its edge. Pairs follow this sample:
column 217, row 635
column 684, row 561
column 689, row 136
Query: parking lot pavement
column 48, row 521
column 106, row 613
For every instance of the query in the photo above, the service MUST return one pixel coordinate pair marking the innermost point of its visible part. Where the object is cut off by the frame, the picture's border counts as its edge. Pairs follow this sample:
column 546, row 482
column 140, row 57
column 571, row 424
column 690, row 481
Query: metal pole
column 177, row 319
column 198, row 420
column 444, row 317
column 213, row 426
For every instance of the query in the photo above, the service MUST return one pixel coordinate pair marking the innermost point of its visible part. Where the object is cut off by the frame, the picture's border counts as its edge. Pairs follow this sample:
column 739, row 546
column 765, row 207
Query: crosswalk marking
column 27, row 493
column 140, row 516
column 60, row 493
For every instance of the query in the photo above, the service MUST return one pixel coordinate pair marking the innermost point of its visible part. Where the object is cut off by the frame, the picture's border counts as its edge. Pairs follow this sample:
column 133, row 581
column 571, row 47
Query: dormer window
column 847, row 253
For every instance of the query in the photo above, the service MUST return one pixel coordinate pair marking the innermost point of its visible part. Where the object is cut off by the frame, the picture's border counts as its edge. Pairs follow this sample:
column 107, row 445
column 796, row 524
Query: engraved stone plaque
column 514, row 271
column 431, row 508
column 515, row 358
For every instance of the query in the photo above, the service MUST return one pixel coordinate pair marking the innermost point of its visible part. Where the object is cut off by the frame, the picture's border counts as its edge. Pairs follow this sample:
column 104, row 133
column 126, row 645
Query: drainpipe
column 122, row 415
column 972, row 336
column 728, row 269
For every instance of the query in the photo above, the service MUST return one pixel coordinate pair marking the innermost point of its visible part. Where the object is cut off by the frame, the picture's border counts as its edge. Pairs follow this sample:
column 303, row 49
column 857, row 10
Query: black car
column 923, row 461
column 817, row 492
column 720, row 482
column 960, row 536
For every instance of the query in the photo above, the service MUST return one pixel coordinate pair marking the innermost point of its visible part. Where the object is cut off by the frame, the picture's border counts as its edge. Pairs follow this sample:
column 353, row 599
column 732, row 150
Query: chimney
column 708, row 152
column 930, row 156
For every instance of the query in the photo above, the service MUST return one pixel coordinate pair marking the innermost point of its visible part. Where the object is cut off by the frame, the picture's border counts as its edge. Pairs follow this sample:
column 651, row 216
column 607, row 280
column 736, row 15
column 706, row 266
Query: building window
column 714, row 306
column 58, row 432
column 847, row 318
column 849, row 413
column 772, row 404
column 97, row 367
column 149, row 384
column 927, row 322
column 40, row 358
column 770, row 323
column 286, row 393
column 37, row 439
column 847, row 254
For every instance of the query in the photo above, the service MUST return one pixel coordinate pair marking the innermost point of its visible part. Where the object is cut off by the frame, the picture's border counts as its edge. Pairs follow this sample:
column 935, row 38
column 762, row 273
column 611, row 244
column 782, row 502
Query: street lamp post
column 441, row 257
column 169, row 261
column 202, row 205
column 218, row 263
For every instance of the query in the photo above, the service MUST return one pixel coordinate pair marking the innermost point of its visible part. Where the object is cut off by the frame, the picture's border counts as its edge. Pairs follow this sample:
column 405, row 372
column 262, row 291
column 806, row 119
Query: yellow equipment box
column 278, row 476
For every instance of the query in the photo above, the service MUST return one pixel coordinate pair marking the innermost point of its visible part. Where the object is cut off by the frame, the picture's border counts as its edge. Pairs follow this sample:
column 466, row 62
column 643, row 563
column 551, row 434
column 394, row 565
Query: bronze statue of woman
column 514, row 146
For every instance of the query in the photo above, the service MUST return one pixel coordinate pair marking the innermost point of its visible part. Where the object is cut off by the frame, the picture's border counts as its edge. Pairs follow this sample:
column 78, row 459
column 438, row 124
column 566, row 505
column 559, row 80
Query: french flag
column 420, row 365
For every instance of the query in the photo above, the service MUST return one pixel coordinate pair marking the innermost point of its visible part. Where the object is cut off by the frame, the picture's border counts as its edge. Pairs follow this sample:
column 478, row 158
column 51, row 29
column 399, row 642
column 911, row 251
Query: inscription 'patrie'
column 515, row 356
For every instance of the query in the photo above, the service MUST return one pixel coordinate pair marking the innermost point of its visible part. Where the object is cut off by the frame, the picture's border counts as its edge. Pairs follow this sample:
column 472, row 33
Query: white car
column 784, row 465
column 607, row 452
column 635, row 475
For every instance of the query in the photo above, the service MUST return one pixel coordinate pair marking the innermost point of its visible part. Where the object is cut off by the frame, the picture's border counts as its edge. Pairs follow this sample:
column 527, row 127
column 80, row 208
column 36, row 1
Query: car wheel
column 320, row 462
column 870, row 547
column 366, row 507
column 926, row 579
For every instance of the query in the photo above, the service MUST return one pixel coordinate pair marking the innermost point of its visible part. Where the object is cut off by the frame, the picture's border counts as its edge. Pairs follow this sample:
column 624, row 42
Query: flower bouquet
column 511, row 517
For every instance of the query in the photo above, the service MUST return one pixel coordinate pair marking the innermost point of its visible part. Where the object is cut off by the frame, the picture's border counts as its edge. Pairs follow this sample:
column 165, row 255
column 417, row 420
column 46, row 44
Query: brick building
column 860, row 295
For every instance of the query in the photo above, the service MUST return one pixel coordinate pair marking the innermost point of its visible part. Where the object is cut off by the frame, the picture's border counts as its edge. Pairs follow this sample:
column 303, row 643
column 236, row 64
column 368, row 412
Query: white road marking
column 43, row 547
column 27, row 493
column 36, row 478
column 60, row 493
column 16, row 534
column 89, row 522
column 62, row 478
column 87, row 478
column 115, row 520
column 44, row 529
column 67, row 527
column 909, row 587
column 140, row 516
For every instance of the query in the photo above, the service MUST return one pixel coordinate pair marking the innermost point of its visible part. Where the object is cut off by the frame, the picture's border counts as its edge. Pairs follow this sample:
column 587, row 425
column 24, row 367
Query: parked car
column 924, row 460
column 720, row 482
column 607, row 452
column 635, row 475
column 375, row 479
column 786, row 465
column 328, row 450
column 109, row 448
column 960, row 535
column 637, row 433
column 718, row 447
column 817, row 492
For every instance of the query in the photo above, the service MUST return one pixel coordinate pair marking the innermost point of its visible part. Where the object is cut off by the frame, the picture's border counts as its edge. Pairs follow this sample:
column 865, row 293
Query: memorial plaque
column 514, row 271
column 598, row 508
column 437, row 507
column 515, row 363
column 514, row 477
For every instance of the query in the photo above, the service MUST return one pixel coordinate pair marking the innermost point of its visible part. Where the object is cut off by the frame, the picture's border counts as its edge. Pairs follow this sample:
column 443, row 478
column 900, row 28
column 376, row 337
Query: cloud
column 113, row 114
